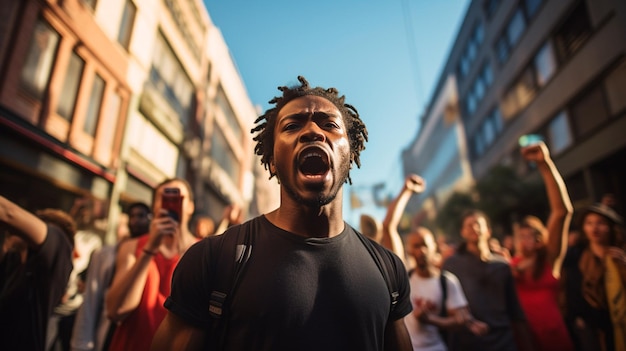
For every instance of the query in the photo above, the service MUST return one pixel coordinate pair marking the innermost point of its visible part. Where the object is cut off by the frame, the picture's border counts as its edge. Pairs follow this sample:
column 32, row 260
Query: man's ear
column 272, row 167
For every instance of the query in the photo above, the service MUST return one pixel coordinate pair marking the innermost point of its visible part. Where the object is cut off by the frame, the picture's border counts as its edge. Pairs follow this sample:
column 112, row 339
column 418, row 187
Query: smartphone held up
column 172, row 201
column 530, row 139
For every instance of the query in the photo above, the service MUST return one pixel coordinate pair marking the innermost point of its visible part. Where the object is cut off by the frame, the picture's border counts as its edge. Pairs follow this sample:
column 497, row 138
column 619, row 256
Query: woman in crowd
column 541, row 250
column 594, row 277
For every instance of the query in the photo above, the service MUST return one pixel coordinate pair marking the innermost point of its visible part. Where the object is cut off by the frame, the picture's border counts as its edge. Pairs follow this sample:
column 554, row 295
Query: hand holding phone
column 172, row 201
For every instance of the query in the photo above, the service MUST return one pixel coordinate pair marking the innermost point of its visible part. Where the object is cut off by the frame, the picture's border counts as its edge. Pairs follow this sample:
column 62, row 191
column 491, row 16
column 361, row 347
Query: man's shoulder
column 252, row 225
column 456, row 258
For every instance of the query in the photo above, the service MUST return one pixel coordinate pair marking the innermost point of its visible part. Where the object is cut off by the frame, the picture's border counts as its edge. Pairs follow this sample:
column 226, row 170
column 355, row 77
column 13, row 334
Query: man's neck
column 478, row 249
column 307, row 221
column 424, row 271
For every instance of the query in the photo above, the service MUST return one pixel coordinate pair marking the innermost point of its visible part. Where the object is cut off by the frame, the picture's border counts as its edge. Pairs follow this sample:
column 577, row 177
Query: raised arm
column 560, row 205
column 22, row 223
column 391, row 238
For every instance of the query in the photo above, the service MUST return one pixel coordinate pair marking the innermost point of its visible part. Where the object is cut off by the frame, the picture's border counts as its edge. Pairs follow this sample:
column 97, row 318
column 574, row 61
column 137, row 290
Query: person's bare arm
column 129, row 281
column 22, row 223
column 397, row 337
column 176, row 334
column 560, row 205
column 391, row 238
column 131, row 272
column 456, row 318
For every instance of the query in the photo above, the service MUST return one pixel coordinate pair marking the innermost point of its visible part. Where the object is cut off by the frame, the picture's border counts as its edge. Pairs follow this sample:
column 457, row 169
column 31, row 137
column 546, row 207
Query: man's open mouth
column 313, row 161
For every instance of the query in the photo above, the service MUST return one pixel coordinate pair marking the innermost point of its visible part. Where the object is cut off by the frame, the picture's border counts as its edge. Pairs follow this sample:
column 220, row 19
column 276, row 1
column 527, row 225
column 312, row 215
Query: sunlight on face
column 474, row 228
column 597, row 228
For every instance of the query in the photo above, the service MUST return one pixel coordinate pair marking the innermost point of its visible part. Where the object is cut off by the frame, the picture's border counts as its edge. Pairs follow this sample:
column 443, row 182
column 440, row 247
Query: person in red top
column 143, row 272
column 540, row 253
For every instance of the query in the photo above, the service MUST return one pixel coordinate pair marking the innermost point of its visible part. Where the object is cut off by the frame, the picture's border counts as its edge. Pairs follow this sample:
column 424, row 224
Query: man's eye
column 290, row 126
column 331, row 125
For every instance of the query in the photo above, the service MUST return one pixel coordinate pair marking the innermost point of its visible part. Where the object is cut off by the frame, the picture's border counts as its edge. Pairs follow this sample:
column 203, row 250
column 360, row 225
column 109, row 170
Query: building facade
column 553, row 68
column 106, row 99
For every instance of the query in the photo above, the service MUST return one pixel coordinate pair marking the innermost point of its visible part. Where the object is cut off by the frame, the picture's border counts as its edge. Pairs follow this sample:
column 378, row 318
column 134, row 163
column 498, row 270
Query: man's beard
column 423, row 264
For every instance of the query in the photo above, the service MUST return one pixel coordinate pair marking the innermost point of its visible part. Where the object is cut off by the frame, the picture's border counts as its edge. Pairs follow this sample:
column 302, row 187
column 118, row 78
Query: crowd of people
column 542, row 291
column 299, row 277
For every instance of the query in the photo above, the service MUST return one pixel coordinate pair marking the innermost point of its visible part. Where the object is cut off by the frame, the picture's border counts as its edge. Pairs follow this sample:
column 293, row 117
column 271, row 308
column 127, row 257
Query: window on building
column 573, row 33
column 489, row 132
column 170, row 79
column 227, row 110
column 39, row 59
column 222, row 153
column 127, row 23
column 470, row 104
column 559, row 133
column 502, row 49
column 478, row 89
column 478, row 145
column 103, row 151
column 93, row 109
column 67, row 100
column 589, row 111
column 516, row 28
column 496, row 120
column 525, row 88
column 470, row 50
column 545, row 64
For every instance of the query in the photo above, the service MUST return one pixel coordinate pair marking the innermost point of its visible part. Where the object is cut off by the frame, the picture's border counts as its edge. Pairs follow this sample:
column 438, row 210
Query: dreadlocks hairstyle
column 357, row 133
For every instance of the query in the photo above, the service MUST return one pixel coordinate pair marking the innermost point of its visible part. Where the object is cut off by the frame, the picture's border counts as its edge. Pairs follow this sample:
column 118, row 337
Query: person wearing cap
column 594, row 282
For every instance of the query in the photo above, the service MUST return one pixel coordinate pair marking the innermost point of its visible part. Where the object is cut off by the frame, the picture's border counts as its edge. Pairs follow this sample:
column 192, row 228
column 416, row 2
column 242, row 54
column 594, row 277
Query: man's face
column 138, row 221
column 475, row 229
column 419, row 246
column 311, row 150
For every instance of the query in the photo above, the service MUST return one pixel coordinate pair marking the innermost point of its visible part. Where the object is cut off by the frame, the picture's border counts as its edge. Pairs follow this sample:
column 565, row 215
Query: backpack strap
column 385, row 265
column 444, row 311
column 444, row 294
column 228, row 262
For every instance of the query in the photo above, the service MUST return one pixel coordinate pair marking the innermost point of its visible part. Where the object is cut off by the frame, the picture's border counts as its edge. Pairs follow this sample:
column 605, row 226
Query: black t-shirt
column 29, row 291
column 491, row 296
column 296, row 293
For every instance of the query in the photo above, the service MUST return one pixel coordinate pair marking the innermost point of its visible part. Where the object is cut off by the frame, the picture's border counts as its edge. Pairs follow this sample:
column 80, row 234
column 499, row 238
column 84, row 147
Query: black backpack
column 228, row 275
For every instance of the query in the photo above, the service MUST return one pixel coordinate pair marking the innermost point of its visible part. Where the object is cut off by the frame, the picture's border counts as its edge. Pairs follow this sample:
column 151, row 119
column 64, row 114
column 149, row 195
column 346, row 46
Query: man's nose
column 312, row 132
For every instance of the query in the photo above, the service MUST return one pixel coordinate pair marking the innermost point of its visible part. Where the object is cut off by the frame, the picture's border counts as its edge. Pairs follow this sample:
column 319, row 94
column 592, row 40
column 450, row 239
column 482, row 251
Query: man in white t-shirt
column 429, row 319
column 427, row 295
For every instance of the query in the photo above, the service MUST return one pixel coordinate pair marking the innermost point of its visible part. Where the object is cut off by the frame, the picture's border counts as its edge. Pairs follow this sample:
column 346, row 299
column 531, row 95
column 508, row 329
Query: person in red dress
column 540, row 253
column 143, row 272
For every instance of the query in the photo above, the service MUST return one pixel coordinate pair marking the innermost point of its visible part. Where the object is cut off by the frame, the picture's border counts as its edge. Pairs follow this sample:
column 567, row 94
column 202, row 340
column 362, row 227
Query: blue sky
column 384, row 55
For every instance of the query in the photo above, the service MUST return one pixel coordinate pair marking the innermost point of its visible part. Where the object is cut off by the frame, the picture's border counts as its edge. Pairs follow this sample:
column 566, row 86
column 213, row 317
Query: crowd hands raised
column 300, row 284
column 552, row 286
